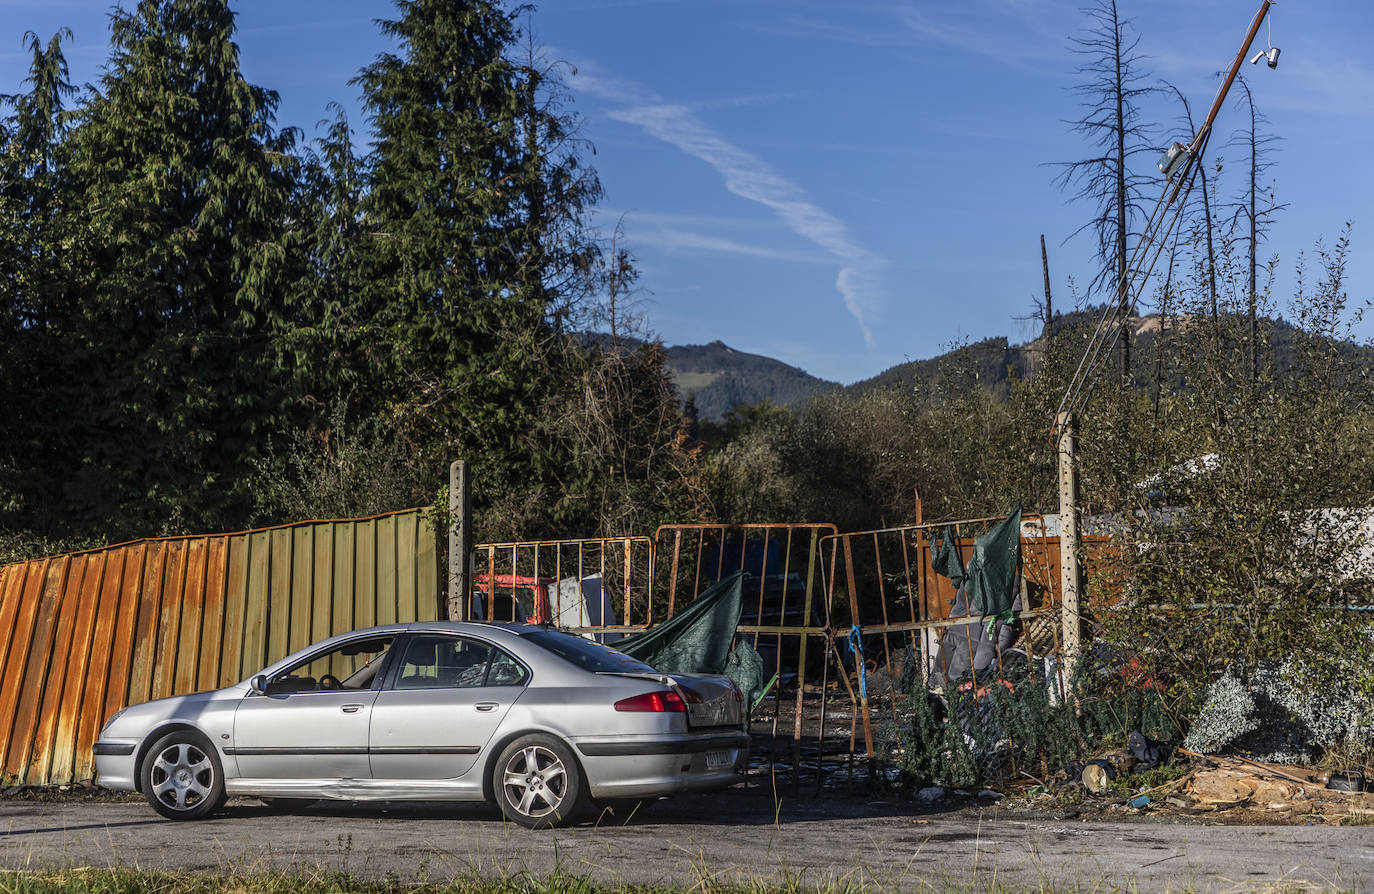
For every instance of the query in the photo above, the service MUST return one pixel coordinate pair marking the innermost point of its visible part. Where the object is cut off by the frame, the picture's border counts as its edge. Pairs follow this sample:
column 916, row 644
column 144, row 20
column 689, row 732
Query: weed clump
column 966, row 735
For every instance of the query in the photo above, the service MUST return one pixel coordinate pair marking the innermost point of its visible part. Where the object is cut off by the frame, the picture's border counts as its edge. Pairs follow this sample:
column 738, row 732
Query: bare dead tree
column 1111, row 88
column 1256, row 209
column 1208, row 225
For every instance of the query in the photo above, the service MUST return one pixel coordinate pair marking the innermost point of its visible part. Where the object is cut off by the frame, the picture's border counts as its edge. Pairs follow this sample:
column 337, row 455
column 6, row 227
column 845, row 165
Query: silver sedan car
column 543, row 723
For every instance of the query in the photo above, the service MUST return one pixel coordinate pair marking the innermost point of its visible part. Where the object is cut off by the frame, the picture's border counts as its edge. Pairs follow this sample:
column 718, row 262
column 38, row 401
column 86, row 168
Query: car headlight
column 113, row 717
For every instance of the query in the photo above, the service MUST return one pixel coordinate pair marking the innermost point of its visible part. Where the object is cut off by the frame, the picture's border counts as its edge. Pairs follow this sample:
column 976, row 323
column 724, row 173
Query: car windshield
column 588, row 655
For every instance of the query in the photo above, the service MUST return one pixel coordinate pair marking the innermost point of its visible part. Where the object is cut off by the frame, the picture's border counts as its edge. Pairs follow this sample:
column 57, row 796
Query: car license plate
column 717, row 760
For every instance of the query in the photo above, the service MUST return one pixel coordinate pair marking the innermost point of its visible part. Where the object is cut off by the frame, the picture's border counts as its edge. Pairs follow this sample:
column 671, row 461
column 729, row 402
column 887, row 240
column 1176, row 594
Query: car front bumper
column 115, row 764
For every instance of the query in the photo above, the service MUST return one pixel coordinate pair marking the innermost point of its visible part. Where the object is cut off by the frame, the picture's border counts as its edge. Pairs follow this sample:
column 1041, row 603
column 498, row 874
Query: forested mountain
column 720, row 378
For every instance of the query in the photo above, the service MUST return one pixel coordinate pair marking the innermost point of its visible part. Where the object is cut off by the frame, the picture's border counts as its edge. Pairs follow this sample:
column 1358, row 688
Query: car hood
column 136, row 720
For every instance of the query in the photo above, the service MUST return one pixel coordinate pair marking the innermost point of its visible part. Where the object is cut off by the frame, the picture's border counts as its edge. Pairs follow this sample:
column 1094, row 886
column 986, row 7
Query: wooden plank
column 406, row 525
column 427, row 572
column 343, row 595
column 169, row 629
column 322, row 597
column 301, row 590
column 146, row 627
column 257, row 619
column 54, row 681
column 35, row 575
column 97, row 693
column 278, row 597
column 212, row 613
column 386, row 570
column 191, row 595
column 67, row 744
column 120, row 678
column 365, row 574
column 235, row 610
column 11, row 598
column 37, row 654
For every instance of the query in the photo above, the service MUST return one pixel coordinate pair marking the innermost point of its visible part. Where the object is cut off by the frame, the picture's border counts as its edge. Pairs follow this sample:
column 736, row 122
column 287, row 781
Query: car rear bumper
column 649, row 767
column 115, row 765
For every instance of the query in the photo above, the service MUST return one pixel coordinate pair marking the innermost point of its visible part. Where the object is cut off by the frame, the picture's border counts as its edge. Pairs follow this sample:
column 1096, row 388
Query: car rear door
column 444, row 700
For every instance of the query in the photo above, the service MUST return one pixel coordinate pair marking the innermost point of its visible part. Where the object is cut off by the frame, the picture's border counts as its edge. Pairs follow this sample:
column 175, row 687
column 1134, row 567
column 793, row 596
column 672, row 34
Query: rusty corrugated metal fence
column 85, row 634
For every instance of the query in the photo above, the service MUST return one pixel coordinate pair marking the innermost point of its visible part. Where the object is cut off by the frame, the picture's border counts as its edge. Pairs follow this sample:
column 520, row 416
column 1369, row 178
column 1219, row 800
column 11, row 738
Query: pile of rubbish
column 1236, row 788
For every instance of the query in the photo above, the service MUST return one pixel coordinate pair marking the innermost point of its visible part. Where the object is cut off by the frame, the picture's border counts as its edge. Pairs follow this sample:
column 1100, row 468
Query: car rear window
column 588, row 655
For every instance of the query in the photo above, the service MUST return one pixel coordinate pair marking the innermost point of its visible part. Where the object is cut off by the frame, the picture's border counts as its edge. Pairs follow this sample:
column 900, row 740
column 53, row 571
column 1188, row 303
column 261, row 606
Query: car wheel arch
column 154, row 736
column 499, row 745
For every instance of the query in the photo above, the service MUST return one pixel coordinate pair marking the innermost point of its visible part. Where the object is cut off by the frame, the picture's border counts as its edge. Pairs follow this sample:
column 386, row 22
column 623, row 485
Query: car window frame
column 393, row 670
column 387, row 661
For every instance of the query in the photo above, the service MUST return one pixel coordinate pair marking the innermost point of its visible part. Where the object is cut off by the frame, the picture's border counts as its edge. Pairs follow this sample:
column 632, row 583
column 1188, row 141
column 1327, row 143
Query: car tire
column 182, row 777
column 538, row 783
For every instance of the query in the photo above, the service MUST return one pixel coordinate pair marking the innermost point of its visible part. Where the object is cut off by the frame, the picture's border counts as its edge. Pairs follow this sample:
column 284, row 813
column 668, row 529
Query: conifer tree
column 333, row 331
column 476, row 242
column 181, row 187
column 32, row 359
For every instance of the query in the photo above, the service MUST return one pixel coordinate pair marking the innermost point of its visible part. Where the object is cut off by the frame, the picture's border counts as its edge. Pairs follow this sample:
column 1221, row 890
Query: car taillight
column 739, row 693
column 656, row 702
column 691, row 695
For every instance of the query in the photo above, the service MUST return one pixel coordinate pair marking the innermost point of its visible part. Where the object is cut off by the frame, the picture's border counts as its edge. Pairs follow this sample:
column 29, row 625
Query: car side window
column 433, row 661
column 505, row 670
column 351, row 665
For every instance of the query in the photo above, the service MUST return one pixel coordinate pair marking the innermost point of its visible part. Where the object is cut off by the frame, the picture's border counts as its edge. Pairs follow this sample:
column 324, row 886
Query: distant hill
column 722, row 378
column 990, row 361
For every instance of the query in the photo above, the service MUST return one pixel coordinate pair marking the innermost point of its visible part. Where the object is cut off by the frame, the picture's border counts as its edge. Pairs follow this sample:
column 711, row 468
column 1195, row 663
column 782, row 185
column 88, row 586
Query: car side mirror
column 258, row 684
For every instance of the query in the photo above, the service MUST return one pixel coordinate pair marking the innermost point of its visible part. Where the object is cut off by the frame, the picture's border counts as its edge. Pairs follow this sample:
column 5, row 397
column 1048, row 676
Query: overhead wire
column 1132, row 285
column 1108, row 330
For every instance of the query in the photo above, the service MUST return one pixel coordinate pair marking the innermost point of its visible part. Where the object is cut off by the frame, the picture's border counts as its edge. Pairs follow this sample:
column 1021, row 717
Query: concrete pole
column 459, row 541
column 1068, row 544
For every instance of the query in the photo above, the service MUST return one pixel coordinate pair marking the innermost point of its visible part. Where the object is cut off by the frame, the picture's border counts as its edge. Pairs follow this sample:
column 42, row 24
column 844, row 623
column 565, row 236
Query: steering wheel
column 329, row 681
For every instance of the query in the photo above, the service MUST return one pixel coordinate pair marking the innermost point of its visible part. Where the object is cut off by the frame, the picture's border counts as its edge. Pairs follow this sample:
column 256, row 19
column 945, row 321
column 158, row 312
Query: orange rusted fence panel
column 83, row 635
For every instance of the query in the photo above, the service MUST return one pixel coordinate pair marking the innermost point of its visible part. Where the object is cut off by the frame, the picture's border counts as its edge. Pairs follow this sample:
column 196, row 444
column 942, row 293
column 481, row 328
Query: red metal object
column 531, row 593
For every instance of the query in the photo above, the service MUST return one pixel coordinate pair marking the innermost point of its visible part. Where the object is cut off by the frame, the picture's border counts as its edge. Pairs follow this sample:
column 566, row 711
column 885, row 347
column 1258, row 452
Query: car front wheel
column 181, row 775
column 537, row 782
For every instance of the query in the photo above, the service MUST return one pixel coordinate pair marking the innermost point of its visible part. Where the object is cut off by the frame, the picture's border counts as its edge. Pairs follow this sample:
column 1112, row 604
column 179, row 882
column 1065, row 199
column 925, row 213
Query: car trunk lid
column 711, row 701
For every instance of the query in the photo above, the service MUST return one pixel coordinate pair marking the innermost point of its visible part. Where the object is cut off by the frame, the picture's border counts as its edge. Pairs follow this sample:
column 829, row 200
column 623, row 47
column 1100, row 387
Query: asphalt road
column 734, row 836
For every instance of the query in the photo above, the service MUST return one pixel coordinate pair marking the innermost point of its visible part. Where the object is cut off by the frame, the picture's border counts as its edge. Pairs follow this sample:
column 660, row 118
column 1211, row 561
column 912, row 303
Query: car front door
column 312, row 721
column 444, row 700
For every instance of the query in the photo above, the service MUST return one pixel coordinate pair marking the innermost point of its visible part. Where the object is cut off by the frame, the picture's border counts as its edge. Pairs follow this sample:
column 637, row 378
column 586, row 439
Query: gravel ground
column 737, row 835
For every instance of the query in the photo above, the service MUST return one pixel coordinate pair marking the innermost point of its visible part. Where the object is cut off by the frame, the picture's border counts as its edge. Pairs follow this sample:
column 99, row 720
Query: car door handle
column 487, row 706
column 352, row 709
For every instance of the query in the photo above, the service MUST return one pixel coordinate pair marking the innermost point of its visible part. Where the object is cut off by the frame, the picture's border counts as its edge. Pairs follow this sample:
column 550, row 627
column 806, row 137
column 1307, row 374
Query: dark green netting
column 697, row 639
column 944, row 556
column 745, row 667
column 991, row 581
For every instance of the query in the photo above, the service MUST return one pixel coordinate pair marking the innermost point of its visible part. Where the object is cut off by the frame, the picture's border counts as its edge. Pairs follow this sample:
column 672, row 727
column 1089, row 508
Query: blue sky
column 846, row 185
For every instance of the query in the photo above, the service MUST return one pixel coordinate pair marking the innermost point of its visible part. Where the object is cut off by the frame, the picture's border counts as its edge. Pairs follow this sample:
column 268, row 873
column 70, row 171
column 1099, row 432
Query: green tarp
column 944, row 556
column 990, row 577
column 697, row 640
column 992, row 571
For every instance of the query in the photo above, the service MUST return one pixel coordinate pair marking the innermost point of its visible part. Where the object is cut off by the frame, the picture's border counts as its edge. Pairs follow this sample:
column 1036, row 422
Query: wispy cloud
column 748, row 177
column 1016, row 34
column 685, row 240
